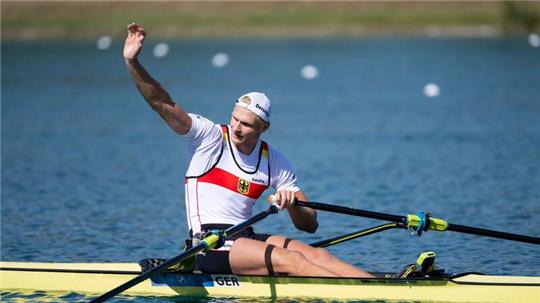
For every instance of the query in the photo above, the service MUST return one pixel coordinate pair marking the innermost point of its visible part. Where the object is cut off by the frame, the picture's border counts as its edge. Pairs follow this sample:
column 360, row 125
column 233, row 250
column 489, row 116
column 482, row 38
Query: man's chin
column 236, row 141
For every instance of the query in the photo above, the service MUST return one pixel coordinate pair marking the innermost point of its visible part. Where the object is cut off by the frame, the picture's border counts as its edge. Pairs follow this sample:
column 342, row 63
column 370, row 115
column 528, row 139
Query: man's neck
column 246, row 148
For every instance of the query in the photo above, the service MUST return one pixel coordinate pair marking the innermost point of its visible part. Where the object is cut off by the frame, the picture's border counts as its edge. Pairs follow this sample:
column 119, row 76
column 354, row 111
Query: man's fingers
column 279, row 199
column 135, row 28
column 132, row 27
column 284, row 198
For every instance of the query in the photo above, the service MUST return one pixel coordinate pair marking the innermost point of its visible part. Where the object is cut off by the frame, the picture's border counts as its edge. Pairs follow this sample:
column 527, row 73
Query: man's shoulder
column 200, row 118
column 203, row 127
column 276, row 156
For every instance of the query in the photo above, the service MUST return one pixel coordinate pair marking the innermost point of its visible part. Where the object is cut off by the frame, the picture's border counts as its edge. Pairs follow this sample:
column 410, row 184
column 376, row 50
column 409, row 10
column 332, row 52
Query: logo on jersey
column 243, row 186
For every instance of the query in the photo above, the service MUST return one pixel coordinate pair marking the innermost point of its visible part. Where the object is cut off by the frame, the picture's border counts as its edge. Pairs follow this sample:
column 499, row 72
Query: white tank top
column 225, row 193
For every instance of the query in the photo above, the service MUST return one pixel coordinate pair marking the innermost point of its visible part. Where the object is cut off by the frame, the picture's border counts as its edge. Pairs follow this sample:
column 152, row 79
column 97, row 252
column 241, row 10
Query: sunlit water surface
column 91, row 174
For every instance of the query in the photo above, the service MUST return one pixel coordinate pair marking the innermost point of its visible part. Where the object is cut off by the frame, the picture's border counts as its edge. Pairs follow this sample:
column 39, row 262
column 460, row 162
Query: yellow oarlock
column 413, row 221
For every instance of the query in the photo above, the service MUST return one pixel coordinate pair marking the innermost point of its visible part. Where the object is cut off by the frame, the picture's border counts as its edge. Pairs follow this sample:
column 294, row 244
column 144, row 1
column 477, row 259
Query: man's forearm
column 154, row 94
column 158, row 98
column 303, row 218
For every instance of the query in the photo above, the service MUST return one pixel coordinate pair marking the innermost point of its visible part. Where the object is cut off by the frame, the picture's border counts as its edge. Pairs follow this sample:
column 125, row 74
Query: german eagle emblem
column 243, row 186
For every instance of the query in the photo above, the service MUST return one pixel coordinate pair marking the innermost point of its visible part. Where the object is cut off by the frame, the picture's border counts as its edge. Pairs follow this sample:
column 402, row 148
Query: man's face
column 246, row 128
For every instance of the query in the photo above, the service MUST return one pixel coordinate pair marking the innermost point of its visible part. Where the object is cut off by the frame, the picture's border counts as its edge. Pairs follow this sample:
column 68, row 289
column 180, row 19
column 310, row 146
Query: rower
column 230, row 166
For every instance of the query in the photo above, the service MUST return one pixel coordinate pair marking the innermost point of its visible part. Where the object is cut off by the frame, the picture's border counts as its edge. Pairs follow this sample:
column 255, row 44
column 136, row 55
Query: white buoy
column 220, row 60
column 104, row 42
column 432, row 90
column 534, row 40
column 309, row 72
column 161, row 50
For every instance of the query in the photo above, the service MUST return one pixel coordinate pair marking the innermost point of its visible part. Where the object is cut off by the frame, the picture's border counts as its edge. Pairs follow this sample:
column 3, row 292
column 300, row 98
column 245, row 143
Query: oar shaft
column 207, row 243
column 258, row 217
column 352, row 211
column 413, row 221
column 493, row 233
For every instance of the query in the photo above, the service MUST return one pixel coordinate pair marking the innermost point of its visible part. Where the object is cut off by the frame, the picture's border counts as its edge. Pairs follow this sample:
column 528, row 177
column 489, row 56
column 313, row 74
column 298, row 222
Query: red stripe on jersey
column 229, row 181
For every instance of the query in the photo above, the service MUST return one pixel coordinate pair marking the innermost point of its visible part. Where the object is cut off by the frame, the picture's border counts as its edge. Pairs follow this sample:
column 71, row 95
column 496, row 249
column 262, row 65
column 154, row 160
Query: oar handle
column 273, row 201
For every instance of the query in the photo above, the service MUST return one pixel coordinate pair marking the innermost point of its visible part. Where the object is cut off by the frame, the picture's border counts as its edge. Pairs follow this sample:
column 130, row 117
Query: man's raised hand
column 134, row 41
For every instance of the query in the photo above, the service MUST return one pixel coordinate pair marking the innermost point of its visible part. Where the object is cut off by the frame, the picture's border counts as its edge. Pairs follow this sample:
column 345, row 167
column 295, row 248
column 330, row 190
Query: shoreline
column 481, row 31
column 43, row 20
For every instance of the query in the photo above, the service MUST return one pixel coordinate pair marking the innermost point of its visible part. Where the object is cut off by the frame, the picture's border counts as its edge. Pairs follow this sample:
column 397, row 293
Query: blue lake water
column 91, row 174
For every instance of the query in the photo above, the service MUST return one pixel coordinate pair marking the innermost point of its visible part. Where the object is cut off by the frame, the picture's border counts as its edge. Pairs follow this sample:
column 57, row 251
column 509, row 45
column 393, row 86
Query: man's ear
column 265, row 126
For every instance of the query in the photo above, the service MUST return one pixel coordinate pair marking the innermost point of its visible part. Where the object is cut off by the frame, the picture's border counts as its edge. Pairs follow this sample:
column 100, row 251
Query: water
column 90, row 173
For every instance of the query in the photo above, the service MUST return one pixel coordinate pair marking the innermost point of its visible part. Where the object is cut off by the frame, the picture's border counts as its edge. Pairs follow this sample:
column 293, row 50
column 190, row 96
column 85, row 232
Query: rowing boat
column 95, row 278
column 418, row 282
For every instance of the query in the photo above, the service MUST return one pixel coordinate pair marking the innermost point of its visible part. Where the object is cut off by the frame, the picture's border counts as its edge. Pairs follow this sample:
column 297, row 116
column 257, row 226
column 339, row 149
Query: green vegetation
column 81, row 20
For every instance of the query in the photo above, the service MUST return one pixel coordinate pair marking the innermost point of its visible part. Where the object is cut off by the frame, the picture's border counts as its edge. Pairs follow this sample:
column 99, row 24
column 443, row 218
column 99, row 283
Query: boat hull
column 98, row 278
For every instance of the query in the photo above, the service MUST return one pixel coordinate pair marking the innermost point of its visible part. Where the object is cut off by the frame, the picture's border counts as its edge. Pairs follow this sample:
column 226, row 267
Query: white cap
column 256, row 103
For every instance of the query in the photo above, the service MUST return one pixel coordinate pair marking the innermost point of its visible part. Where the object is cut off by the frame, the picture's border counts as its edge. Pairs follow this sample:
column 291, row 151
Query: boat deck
column 97, row 278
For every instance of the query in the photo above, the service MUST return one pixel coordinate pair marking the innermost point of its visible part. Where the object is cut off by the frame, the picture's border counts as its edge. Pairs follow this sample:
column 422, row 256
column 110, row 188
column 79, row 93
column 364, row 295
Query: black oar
column 207, row 243
column 420, row 222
